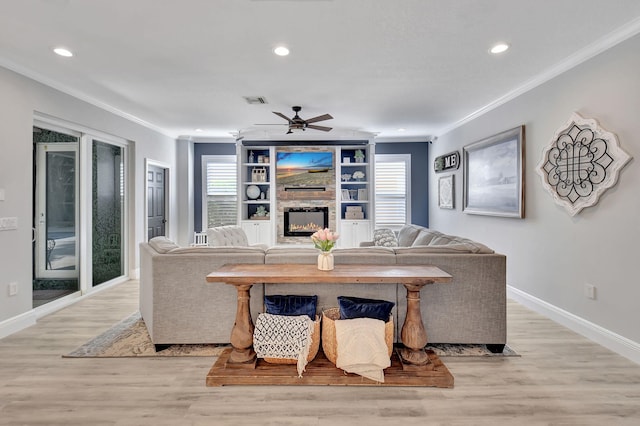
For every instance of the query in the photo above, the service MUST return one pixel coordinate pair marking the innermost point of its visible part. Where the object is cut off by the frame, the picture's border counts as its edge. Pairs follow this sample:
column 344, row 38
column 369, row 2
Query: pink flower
column 324, row 239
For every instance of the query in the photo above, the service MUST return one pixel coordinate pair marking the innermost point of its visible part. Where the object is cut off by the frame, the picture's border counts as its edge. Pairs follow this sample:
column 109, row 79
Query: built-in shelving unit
column 256, row 192
column 353, row 201
column 355, row 195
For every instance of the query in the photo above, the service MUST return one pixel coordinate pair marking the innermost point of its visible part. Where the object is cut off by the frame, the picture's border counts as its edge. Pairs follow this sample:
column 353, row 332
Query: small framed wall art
column 446, row 192
column 494, row 175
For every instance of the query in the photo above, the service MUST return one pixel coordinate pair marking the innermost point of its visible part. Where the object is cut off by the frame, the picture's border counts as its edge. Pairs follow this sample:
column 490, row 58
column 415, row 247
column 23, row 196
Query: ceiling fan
column 297, row 123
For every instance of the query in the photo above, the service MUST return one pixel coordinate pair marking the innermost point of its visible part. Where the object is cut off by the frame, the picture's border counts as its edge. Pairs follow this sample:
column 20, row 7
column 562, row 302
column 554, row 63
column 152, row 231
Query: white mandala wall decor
column 581, row 162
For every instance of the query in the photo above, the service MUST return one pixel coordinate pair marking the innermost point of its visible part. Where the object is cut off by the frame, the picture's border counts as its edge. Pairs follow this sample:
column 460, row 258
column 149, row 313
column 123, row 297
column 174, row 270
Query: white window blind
column 392, row 201
column 220, row 191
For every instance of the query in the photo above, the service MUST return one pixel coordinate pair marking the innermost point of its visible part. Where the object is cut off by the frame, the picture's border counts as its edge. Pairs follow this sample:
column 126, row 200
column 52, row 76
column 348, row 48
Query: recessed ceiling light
column 63, row 52
column 499, row 48
column 198, row 130
column 401, row 130
column 281, row 51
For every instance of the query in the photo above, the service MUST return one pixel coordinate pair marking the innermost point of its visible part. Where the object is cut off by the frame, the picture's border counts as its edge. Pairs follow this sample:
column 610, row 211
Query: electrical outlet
column 590, row 291
column 13, row 289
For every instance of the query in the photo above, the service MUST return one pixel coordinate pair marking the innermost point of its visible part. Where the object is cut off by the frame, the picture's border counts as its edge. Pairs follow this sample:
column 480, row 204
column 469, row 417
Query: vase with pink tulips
column 325, row 240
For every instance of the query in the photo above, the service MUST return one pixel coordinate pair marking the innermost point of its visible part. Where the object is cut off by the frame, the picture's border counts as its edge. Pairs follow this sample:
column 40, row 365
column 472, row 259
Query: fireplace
column 304, row 221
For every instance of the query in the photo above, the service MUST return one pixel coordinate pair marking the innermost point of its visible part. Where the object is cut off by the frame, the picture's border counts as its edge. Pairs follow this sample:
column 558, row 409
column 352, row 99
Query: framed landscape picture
column 494, row 175
column 445, row 192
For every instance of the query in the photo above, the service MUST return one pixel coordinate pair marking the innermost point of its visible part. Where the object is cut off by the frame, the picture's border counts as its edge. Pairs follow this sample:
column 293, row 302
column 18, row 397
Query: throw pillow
column 357, row 307
column 291, row 305
column 425, row 237
column 162, row 244
column 385, row 238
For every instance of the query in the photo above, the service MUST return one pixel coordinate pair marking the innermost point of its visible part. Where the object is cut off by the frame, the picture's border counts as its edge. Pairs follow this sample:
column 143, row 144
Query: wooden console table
column 413, row 365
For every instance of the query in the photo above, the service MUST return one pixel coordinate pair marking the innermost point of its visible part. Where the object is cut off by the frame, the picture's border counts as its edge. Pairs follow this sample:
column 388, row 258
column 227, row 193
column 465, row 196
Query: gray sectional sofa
column 179, row 306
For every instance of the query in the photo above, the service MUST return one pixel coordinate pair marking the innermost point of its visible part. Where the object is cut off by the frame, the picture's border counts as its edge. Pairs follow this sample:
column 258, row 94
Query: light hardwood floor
column 561, row 379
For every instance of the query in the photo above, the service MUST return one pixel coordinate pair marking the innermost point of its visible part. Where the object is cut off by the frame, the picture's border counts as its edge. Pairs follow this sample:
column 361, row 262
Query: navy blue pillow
column 291, row 305
column 357, row 307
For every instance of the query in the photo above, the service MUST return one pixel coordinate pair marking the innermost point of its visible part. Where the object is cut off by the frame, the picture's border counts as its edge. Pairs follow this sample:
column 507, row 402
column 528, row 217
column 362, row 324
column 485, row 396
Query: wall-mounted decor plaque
column 581, row 162
column 447, row 162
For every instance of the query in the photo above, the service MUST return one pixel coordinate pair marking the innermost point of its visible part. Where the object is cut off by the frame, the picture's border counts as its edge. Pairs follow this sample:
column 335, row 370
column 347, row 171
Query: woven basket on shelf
column 329, row 343
column 313, row 350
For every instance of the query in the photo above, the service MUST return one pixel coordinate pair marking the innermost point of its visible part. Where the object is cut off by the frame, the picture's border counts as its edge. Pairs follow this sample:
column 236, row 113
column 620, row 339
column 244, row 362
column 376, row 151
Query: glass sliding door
column 55, row 224
column 108, row 208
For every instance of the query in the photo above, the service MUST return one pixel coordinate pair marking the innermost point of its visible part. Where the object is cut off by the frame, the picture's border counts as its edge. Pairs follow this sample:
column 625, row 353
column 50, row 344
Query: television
column 306, row 168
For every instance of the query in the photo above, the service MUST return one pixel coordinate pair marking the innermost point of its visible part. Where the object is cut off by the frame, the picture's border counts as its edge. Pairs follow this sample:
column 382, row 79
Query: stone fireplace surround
column 305, row 197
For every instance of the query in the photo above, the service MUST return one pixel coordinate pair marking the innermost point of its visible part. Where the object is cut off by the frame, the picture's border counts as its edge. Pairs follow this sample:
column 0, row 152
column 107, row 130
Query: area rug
column 130, row 338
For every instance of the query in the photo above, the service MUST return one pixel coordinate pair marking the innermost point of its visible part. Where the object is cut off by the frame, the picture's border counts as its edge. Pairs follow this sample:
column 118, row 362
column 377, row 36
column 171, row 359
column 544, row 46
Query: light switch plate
column 8, row 223
column 1, row 194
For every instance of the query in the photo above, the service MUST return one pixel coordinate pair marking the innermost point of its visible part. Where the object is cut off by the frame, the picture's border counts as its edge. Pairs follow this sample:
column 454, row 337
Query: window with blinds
column 392, row 186
column 220, row 190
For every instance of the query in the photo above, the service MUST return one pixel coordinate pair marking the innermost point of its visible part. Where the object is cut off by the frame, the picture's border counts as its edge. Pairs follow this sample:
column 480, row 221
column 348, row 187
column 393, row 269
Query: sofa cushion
column 420, row 250
column 229, row 235
column 225, row 250
column 408, row 234
column 385, row 238
column 162, row 244
column 462, row 243
column 291, row 305
column 425, row 236
column 358, row 307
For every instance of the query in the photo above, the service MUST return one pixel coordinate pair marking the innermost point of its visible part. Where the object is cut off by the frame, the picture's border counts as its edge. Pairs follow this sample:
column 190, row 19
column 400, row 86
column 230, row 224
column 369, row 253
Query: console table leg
column 242, row 332
column 413, row 334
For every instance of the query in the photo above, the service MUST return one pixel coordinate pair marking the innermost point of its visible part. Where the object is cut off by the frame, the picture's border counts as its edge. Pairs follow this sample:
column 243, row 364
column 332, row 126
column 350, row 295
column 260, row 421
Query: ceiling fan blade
column 279, row 114
column 323, row 128
column 319, row 118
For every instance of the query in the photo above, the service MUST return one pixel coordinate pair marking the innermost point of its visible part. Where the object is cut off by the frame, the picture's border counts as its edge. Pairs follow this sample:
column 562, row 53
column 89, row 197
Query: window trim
column 394, row 158
column 205, row 159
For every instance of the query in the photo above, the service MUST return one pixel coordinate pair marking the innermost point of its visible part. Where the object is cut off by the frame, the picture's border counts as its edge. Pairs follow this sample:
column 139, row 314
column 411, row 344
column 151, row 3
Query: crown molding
column 82, row 96
column 605, row 43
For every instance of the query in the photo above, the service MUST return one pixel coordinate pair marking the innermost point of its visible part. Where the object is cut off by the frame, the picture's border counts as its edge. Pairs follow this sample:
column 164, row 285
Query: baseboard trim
column 610, row 340
column 27, row 319
column 17, row 323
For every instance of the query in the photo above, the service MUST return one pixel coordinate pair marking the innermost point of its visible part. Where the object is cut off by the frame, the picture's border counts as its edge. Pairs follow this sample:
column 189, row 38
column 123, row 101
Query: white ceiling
column 375, row 65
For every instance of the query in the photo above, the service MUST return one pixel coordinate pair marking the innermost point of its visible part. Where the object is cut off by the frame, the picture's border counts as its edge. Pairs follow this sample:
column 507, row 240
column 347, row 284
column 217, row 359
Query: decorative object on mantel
column 447, row 162
column 581, row 162
column 324, row 240
column 358, row 175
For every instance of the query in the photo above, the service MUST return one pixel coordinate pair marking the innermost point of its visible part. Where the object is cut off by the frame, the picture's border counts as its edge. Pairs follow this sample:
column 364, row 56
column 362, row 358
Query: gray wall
column 419, row 175
column 199, row 150
column 21, row 97
column 551, row 255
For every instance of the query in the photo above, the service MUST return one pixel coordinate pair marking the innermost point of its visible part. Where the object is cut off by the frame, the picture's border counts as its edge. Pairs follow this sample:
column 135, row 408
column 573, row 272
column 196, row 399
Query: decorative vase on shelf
column 325, row 261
